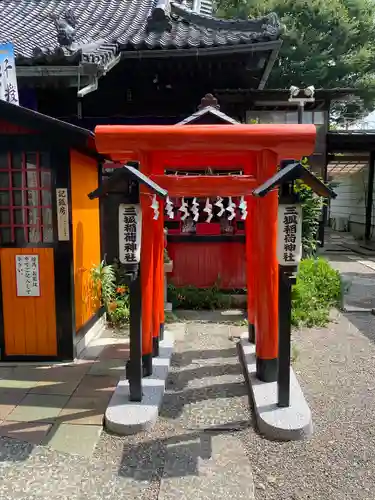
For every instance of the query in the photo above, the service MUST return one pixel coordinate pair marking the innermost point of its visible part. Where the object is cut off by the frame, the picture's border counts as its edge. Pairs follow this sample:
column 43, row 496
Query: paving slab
column 55, row 388
column 84, row 410
column 115, row 351
column 8, row 402
column 38, row 407
column 108, row 367
column 286, row 424
column 30, row 432
column 93, row 386
column 74, row 439
column 209, row 467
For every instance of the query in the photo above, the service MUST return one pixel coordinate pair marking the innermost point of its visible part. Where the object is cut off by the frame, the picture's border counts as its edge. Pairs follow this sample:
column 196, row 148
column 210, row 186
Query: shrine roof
column 74, row 31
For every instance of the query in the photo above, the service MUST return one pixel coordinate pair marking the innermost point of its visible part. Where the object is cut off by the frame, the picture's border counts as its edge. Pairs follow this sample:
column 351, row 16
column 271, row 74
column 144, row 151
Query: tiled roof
column 96, row 30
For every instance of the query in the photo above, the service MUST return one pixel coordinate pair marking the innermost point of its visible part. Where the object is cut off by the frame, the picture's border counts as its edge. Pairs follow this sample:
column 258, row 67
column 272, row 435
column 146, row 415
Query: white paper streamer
column 243, row 207
column 195, row 210
column 231, row 208
column 184, row 209
column 155, row 207
column 219, row 204
column 208, row 210
column 169, row 208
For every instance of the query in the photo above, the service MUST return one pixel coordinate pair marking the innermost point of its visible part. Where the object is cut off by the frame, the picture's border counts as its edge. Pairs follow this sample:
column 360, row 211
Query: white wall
column 351, row 201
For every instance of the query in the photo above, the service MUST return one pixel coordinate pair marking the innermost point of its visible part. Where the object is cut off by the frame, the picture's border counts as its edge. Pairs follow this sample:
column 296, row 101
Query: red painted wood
column 201, row 264
column 206, row 185
column 11, row 128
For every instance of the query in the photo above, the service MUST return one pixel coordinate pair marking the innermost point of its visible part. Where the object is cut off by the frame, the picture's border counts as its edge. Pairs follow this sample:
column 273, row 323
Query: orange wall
column 86, row 233
column 29, row 322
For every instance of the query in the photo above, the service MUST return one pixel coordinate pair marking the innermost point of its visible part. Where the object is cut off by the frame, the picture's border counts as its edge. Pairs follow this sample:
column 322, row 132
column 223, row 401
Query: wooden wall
column 204, row 264
column 29, row 322
column 86, row 234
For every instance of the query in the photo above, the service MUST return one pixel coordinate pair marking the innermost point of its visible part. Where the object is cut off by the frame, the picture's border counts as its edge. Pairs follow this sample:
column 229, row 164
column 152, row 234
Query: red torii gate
column 256, row 150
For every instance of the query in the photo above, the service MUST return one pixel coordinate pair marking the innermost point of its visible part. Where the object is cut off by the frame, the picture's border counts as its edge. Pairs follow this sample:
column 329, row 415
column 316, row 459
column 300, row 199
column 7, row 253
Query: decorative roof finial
column 160, row 19
column 65, row 24
column 209, row 100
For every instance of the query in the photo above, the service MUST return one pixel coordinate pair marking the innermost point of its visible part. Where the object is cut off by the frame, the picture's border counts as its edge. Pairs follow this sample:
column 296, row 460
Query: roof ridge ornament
column 65, row 24
column 268, row 26
column 209, row 100
column 160, row 17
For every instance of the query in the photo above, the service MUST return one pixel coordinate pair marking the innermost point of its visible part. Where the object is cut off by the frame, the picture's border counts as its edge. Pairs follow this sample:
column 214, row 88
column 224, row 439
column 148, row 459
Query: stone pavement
column 61, row 405
column 193, row 452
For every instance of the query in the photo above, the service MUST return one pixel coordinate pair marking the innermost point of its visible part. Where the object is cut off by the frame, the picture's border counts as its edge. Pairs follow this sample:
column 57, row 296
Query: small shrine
column 49, row 236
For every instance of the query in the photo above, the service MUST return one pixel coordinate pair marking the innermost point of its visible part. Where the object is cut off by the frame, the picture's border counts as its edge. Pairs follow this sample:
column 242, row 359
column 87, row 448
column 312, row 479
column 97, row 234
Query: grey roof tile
column 104, row 27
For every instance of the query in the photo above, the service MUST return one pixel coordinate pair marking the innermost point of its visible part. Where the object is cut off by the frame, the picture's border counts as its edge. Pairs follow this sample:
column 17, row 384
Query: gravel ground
column 206, row 409
column 336, row 369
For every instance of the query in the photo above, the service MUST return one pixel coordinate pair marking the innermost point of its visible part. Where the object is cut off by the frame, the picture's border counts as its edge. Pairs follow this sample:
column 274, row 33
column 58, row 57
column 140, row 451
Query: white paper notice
column 27, row 274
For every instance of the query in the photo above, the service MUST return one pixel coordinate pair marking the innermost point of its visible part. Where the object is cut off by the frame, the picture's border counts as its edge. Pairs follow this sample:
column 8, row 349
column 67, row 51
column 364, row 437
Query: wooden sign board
column 289, row 235
column 62, row 214
column 130, row 223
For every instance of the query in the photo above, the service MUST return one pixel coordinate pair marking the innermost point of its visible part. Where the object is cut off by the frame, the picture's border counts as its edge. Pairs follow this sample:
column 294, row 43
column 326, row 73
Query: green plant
column 311, row 212
column 119, row 308
column 317, row 290
column 191, row 297
column 103, row 277
column 115, row 299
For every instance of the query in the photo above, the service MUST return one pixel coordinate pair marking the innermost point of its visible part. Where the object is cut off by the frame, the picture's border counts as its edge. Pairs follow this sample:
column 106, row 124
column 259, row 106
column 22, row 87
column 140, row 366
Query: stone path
column 61, row 406
column 358, row 273
column 193, row 452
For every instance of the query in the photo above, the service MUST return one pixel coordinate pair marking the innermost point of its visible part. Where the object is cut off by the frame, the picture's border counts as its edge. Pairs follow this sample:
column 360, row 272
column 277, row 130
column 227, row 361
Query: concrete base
column 286, row 424
column 125, row 417
column 93, row 333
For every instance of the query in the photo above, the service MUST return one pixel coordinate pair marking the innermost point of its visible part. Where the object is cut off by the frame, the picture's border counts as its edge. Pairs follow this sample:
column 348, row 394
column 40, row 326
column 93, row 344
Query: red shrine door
column 255, row 150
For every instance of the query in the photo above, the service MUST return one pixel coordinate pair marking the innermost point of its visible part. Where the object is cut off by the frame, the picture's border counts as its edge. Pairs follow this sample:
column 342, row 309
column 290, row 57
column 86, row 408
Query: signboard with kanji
column 27, row 275
column 130, row 222
column 289, row 235
column 62, row 214
column 8, row 78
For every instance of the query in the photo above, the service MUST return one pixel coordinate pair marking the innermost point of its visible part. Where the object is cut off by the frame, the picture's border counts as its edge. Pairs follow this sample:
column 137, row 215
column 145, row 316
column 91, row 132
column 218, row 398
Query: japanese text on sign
column 27, row 276
column 62, row 214
column 129, row 234
column 8, row 79
column 289, row 236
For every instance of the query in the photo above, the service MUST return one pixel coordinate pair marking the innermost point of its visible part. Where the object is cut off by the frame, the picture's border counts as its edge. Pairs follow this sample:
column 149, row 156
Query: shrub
column 190, row 297
column 317, row 290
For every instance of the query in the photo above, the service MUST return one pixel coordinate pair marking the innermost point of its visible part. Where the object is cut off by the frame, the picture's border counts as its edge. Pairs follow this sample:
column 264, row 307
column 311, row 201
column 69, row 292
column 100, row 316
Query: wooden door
column 29, row 323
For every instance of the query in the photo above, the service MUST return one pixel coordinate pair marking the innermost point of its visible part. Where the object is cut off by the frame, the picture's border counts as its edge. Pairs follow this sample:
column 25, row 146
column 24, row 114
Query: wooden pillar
column 266, row 301
column 162, row 281
column 249, row 169
column 147, row 269
column 158, row 281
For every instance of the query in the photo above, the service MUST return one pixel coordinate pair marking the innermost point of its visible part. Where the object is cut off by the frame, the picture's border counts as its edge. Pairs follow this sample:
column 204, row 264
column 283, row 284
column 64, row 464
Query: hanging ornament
column 208, row 210
column 155, row 207
column 231, row 208
column 243, row 207
column 184, row 209
column 195, row 210
column 219, row 204
column 169, row 208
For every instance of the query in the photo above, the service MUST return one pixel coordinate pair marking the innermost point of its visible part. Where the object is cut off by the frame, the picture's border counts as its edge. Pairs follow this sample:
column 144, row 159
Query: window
column 25, row 198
